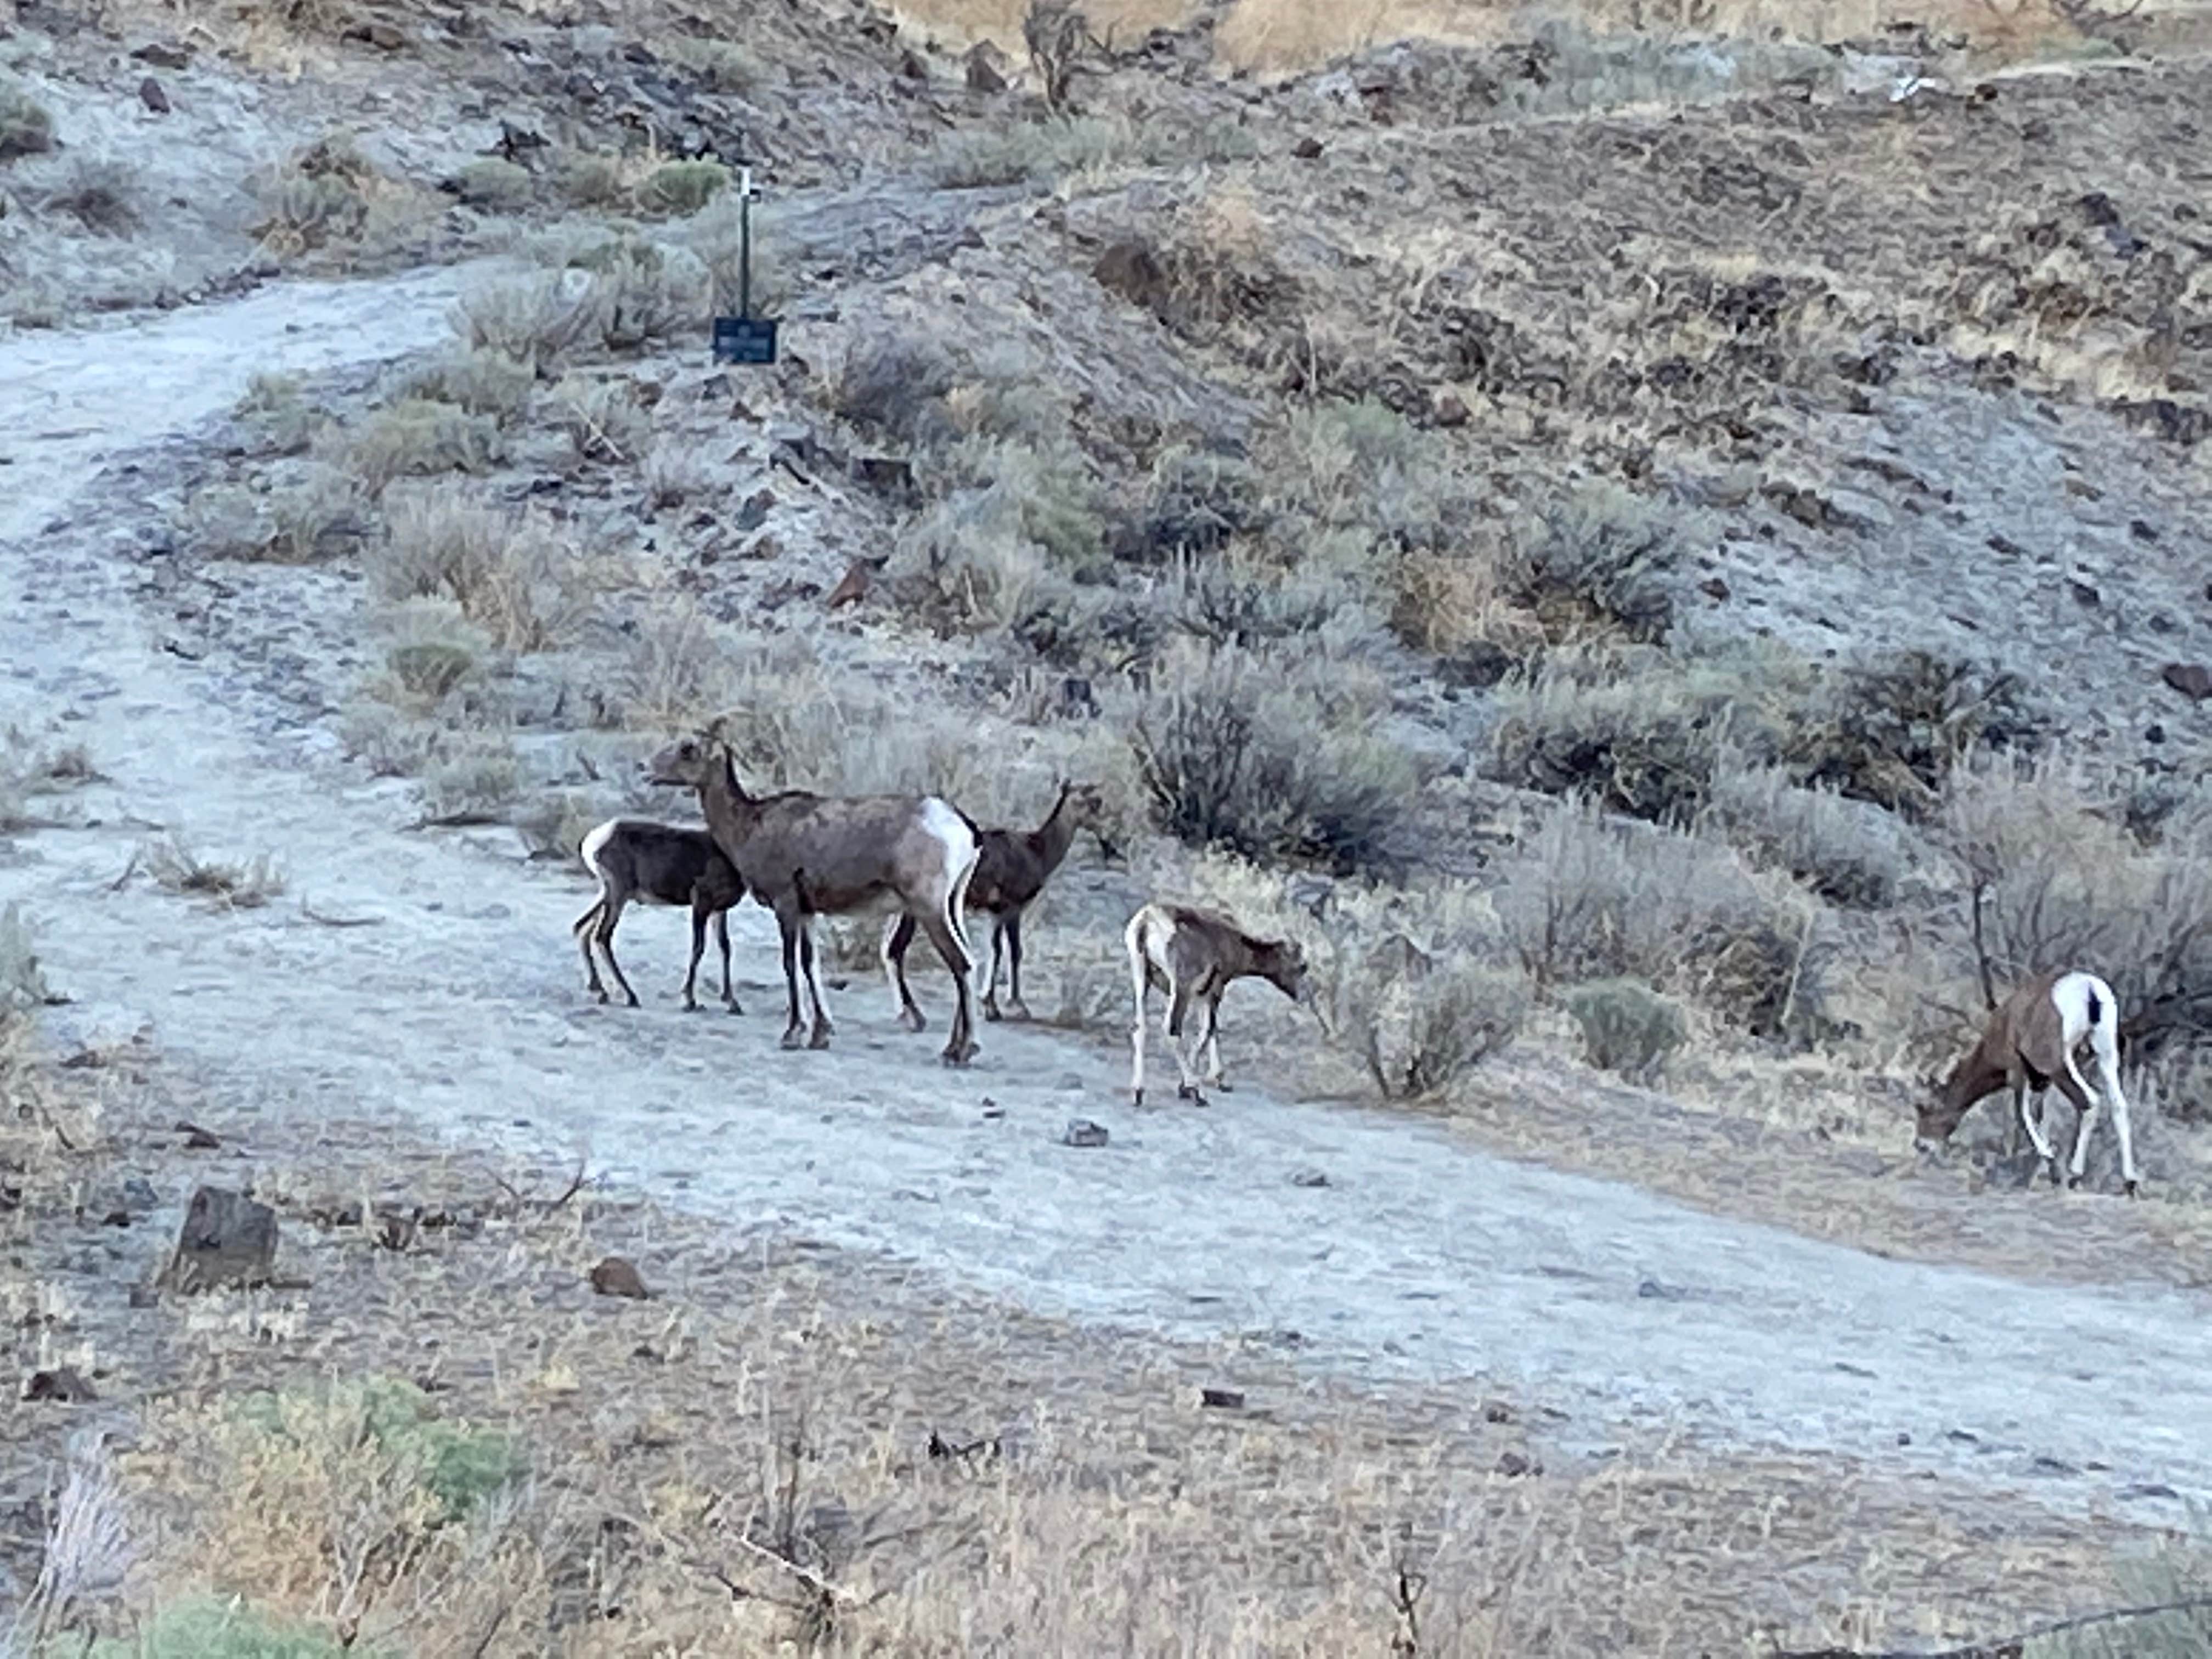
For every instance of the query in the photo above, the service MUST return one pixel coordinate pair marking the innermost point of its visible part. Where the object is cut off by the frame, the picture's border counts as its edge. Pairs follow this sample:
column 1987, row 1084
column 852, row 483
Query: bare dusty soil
column 456, row 1008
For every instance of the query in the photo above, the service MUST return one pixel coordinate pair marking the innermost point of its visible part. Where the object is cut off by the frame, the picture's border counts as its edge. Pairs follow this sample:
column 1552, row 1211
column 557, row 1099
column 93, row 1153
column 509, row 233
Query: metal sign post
column 745, row 338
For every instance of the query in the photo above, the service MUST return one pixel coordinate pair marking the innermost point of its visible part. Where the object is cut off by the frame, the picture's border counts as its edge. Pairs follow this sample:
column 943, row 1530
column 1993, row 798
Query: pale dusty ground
column 462, row 1008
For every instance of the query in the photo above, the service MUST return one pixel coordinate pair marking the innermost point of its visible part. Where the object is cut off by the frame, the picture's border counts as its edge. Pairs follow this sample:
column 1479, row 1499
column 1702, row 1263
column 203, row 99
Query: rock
column 2154, row 733
column 615, row 1277
column 2084, row 595
column 151, row 96
column 754, row 513
column 139, row 1195
column 2142, row 531
column 1308, row 149
column 227, row 1238
column 1077, row 699
column 1446, row 409
column 1514, row 1464
column 161, row 55
column 893, row 475
column 1476, row 666
column 1714, row 587
column 1498, row 1411
column 1227, row 1400
column 2192, row 679
column 63, row 1384
column 1309, row 1178
column 1082, row 1132
column 912, row 67
column 986, row 68
column 196, row 1140
column 852, row 586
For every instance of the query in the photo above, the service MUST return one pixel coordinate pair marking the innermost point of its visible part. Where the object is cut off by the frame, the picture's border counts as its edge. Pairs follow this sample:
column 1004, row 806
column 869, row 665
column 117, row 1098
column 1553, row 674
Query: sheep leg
column 991, row 985
column 898, row 934
column 819, row 1037
column 2031, row 1118
column 1142, row 984
column 582, row 927
column 1177, row 1017
column 722, row 937
column 1016, row 1008
column 1210, row 1045
column 787, row 923
column 610, row 914
column 698, row 950
column 2105, row 1040
column 960, row 1045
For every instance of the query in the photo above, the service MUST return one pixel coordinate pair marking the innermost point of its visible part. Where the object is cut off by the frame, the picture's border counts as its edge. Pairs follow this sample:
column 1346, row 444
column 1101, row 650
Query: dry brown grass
column 959, row 21
column 798, row 1452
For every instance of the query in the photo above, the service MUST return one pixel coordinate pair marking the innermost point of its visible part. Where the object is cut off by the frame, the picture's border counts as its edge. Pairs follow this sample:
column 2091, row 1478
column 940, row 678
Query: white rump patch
column 2071, row 996
column 943, row 824
column 595, row 843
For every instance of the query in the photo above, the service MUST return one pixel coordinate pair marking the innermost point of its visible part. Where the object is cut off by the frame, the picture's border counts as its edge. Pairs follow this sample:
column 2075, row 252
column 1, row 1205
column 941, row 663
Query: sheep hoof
column 1189, row 1092
column 1136, row 1096
column 820, row 1039
column 792, row 1039
column 2072, row 1181
column 991, row 1013
column 912, row 1018
column 2134, row 1190
column 957, row 1057
column 1018, row 1010
column 632, row 998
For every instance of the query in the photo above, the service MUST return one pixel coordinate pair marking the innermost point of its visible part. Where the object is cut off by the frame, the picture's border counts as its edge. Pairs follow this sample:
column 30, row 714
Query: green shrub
column 1192, row 502
column 590, row 180
column 495, row 185
column 212, row 1629
column 679, row 188
column 26, row 127
column 1627, row 1027
column 457, row 1463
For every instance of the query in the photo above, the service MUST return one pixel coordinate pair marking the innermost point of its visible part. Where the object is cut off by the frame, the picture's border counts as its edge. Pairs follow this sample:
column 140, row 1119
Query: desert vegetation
column 1673, row 607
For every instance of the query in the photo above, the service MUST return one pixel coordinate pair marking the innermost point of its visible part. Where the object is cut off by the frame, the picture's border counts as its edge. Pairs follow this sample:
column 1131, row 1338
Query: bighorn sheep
column 1194, row 956
column 637, row 862
column 1011, row 868
column 806, row 855
column 2029, row 1045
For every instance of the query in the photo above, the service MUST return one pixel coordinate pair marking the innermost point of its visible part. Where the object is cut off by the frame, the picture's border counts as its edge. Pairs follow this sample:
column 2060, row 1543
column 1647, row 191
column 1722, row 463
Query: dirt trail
column 461, row 1008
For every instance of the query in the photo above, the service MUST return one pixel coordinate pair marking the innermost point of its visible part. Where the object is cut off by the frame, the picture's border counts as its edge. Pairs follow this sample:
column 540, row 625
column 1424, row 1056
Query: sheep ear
column 714, row 730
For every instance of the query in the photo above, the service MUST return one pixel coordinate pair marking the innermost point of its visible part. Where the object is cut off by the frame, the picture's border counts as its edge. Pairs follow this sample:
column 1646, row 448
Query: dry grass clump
column 275, row 412
column 606, row 294
column 478, row 780
column 1271, row 758
column 307, row 516
column 1422, row 1023
column 605, row 422
column 1851, row 853
column 725, row 65
column 1032, row 151
column 535, row 320
column 246, row 885
column 677, row 671
column 30, row 769
column 1000, row 551
column 896, row 379
column 22, row 982
column 514, row 574
column 27, row 126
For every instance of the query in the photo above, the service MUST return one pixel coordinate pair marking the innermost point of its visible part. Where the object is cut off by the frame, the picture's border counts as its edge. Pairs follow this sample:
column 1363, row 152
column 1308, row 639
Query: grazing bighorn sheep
column 1011, row 868
column 1195, row 955
column 2029, row 1045
column 806, row 855
column 637, row 862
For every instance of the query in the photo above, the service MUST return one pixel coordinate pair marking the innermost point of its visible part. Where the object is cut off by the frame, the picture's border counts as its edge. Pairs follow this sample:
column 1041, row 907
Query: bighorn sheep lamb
column 637, row 862
column 1194, row 956
column 2029, row 1045
column 1011, row 868
column 805, row 854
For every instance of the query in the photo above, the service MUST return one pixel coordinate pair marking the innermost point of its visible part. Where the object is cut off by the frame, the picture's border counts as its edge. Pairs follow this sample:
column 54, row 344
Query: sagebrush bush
column 275, row 411
column 1890, row 729
column 305, row 517
column 419, row 437
column 325, row 196
column 481, row 778
column 27, row 128
column 1031, row 151
column 677, row 672
column 895, row 379
column 1192, row 502
column 102, row 196
column 1421, row 1024
column 682, row 187
column 514, row 574
column 481, row 382
column 22, row 981
column 613, row 295
column 725, row 65
column 1268, row 760
column 2063, row 882
column 496, row 184
column 1627, row 1027
column 590, row 179
column 223, row 1628
column 1588, row 896
column 1851, row 852
column 602, row 417
column 1601, row 557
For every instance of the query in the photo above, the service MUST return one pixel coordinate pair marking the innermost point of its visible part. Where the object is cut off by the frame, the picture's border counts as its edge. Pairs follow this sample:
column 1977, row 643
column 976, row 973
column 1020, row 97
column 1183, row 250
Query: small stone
column 151, row 96
column 1309, row 1178
column 2192, row 679
column 385, row 37
column 1714, row 587
column 63, row 1384
column 139, row 1195
column 2083, row 594
column 2141, row 529
column 196, row 1140
column 754, row 513
column 1227, row 1400
column 227, row 1238
column 1308, row 149
column 1082, row 1132
column 912, row 67
column 615, row 1277
column 985, row 72
column 2154, row 733
column 161, row 55
column 1514, row 1464
column 1498, row 1411
column 1448, row 410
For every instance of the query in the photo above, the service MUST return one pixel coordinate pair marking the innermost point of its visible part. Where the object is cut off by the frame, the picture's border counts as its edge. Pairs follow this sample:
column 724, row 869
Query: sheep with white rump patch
column 2029, row 1046
column 1195, row 956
